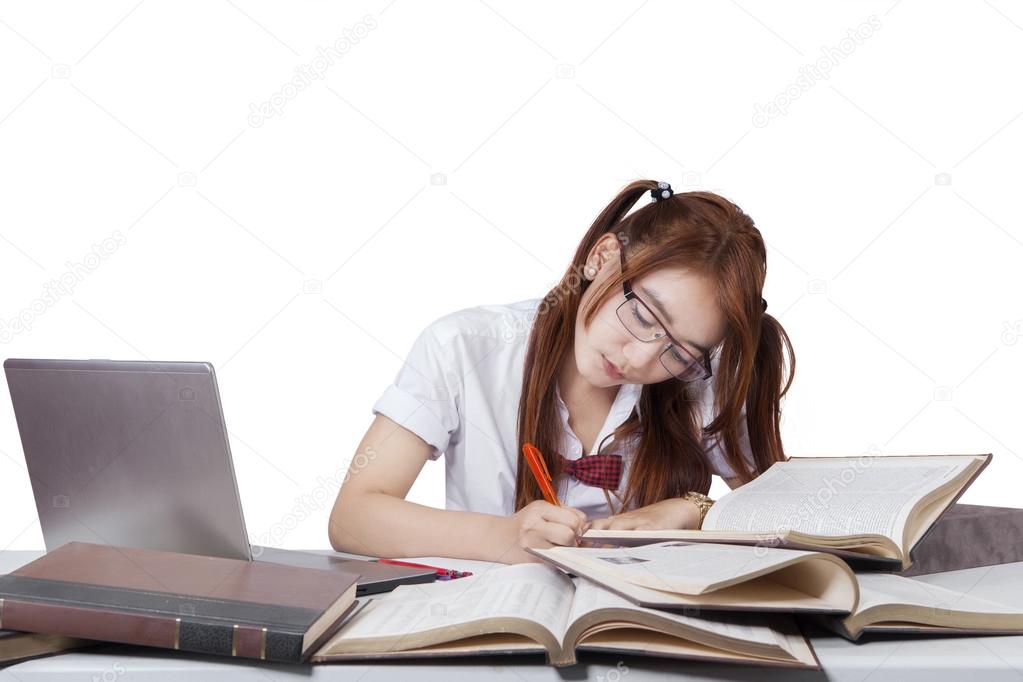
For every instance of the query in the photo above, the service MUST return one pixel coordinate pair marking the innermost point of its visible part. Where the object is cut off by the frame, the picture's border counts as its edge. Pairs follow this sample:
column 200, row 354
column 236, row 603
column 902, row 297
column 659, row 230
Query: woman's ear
column 604, row 251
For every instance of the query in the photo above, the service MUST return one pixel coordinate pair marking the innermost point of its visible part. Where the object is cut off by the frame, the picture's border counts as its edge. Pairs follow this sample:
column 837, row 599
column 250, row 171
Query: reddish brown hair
column 704, row 233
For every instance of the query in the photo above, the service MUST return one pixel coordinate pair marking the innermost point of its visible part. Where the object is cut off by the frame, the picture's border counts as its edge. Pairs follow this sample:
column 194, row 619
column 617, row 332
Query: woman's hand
column 541, row 524
column 670, row 514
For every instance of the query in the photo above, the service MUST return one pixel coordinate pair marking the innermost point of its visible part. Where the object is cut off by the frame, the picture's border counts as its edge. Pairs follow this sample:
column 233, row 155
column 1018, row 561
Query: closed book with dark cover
column 20, row 646
column 968, row 536
column 203, row 604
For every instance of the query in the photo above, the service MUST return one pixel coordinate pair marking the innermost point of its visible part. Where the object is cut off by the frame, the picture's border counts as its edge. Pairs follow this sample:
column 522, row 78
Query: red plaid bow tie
column 602, row 471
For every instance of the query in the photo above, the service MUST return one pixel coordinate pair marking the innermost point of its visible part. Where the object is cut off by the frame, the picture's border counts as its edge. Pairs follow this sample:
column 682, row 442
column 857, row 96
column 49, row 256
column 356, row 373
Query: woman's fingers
column 566, row 516
column 557, row 534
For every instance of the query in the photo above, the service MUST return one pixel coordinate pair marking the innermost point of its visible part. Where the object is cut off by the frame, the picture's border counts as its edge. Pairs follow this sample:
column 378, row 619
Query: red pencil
column 442, row 573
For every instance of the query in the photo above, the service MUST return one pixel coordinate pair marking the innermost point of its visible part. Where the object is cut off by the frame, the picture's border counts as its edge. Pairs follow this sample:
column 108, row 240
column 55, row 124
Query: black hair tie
column 763, row 302
column 662, row 191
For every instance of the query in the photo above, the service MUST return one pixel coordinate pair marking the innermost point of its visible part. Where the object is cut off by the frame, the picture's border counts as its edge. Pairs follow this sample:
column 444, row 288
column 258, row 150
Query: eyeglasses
column 641, row 322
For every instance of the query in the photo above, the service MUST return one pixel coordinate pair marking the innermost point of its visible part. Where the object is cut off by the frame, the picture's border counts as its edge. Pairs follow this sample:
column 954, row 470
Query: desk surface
column 987, row 659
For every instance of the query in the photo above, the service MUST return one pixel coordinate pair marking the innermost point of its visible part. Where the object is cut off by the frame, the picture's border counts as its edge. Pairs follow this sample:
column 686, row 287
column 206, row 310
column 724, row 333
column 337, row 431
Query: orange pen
column 542, row 475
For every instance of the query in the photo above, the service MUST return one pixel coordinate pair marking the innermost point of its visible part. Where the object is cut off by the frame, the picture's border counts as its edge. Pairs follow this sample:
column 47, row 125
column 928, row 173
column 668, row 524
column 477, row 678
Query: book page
column 877, row 589
column 740, row 627
column 680, row 567
column 846, row 496
column 530, row 591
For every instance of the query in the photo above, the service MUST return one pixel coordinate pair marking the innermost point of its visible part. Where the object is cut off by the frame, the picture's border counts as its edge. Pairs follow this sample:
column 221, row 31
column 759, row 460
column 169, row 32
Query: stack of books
column 816, row 539
column 83, row 593
column 811, row 540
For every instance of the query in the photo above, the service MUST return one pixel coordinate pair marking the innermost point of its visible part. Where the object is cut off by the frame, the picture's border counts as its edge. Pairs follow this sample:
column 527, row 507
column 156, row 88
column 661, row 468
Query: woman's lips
column 611, row 370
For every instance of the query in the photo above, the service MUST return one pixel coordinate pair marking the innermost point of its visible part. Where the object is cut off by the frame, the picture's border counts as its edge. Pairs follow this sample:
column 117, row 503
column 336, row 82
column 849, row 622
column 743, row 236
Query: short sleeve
column 424, row 397
column 715, row 454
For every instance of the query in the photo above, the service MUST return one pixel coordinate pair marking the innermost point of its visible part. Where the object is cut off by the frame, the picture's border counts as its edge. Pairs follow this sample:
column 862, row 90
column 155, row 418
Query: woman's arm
column 371, row 515
column 673, row 513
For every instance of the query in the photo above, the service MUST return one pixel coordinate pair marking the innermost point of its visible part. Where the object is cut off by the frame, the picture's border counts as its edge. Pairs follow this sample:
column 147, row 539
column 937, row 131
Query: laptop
column 136, row 453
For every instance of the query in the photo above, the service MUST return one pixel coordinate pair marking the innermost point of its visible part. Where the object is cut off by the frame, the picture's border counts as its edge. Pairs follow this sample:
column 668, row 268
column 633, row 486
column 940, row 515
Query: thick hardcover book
column 871, row 510
column 676, row 575
column 891, row 603
column 20, row 646
column 968, row 536
column 204, row 604
column 706, row 576
column 537, row 609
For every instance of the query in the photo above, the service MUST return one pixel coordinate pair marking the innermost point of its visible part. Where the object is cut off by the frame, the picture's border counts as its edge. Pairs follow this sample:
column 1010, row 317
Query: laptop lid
column 128, row 453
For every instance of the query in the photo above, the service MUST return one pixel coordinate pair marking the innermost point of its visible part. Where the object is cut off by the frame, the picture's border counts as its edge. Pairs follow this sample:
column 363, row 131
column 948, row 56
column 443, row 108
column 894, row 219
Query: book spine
column 182, row 633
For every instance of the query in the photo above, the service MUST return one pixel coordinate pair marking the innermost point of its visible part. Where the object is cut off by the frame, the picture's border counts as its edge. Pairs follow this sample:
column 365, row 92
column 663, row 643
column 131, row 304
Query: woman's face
column 685, row 302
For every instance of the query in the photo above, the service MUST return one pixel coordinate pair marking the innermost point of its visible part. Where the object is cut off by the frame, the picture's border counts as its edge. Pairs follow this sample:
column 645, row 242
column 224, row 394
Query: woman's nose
column 641, row 354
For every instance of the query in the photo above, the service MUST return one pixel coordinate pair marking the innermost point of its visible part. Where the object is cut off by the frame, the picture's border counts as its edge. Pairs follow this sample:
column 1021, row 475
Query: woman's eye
column 642, row 320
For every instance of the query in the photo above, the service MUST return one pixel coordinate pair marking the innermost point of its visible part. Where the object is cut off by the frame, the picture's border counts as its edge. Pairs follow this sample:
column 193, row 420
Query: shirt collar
column 629, row 395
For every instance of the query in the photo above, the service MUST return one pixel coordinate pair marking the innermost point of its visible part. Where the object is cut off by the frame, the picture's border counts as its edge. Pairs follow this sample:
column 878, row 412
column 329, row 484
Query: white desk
column 980, row 659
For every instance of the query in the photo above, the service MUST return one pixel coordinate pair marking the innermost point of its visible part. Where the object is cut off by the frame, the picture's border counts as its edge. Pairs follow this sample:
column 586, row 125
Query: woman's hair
column 707, row 235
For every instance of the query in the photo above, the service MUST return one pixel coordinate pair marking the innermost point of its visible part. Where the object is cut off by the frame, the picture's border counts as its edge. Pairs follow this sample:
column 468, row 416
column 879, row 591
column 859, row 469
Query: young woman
column 650, row 366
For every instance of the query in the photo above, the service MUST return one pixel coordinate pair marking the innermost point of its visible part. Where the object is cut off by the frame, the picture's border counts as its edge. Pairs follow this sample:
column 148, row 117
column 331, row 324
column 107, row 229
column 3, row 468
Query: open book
column 682, row 575
column 874, row 509
column 534, row 608
column 673, row 575
column 892, row 603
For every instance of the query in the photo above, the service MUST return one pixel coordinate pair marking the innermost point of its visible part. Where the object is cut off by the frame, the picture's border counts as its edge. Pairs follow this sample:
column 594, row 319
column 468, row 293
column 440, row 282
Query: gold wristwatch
column 702, row 502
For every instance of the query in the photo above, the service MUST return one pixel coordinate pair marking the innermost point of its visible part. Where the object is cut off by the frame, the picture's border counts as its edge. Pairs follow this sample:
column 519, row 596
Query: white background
column 455, row 155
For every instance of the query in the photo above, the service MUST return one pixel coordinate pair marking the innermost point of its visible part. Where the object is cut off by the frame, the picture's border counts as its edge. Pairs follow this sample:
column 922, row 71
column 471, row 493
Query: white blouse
column 459, row 391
